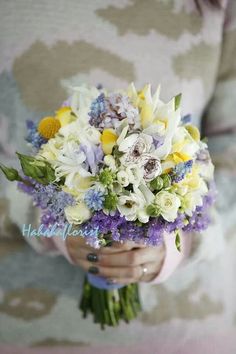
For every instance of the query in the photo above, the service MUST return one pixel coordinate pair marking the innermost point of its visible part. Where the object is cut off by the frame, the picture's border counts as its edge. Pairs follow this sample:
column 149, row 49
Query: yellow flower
column 64, row 115
column 146, row 115
column 48, row 127
column 193, row 131
column 108, row 140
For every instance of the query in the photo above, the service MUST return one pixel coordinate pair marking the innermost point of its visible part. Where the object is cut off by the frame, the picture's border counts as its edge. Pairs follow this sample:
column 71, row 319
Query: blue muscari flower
column 179, row 171
column 94, row 199
column 98, row 107
column 33, row 136
column 186, row 119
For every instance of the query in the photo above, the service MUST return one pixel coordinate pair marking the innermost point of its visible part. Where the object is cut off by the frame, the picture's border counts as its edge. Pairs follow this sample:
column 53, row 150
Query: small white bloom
column 110, row 162
column 123, row 178
column 169, row 205
column 78, row 213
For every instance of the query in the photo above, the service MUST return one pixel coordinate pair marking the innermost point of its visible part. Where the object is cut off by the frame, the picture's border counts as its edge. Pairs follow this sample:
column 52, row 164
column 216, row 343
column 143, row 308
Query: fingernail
column 93, row 270
column 92, row 257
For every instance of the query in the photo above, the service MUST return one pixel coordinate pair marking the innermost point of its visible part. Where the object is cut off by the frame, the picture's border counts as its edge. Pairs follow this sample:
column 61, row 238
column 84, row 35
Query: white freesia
column 78, row 213
column 81, row 100
column 183, row 142
column 69, row 163
column 167, row 115
column 169, row 204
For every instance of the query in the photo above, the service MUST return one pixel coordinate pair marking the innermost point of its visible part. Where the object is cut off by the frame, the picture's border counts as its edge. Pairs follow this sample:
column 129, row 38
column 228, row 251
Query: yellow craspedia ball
column 48, row 127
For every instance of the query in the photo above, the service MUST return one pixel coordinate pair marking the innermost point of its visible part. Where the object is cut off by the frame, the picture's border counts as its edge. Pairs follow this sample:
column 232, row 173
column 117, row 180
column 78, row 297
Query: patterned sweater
column 48, row 45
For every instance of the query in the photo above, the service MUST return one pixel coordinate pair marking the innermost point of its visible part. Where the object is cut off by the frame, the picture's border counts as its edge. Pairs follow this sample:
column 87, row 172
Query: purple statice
column 122, row 230
column 178, row 224
column 181, row 170
column 51, row 200
column 155, row 231
column 94, row 199
column 98, row 111
column 200, row 219
column 33, row 137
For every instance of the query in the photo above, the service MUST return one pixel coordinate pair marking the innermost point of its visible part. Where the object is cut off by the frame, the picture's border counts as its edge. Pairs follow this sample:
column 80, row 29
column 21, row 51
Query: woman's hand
column 120, row 263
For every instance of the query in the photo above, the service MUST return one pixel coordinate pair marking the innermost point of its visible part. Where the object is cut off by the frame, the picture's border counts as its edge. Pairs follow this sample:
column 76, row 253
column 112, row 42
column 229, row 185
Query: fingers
column 122, row 275
column 119, row 246
column 128, row 258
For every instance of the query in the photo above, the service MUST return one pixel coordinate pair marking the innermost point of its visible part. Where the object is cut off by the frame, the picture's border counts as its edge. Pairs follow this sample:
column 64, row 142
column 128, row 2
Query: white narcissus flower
column 78, row 213
column 169, row 205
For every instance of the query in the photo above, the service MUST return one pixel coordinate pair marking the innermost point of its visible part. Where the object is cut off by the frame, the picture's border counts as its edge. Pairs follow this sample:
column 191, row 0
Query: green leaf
column 10, row 173
column 178, row 101
column 177, row 242
column 39, row 170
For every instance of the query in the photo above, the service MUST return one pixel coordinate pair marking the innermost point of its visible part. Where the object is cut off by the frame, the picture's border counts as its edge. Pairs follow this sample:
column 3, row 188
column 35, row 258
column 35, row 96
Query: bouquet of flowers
column 118, row 166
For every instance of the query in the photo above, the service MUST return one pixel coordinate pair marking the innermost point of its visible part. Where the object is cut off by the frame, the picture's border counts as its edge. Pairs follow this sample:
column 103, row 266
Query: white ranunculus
column 78, row 213
column 169, row 205
column 151, row 166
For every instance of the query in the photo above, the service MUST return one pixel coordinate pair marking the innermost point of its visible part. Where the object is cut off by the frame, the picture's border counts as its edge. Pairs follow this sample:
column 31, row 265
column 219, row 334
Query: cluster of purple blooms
column 179, row 172
column 152, row 232
column 33, row 136
column 51, row 200
column 107, row 112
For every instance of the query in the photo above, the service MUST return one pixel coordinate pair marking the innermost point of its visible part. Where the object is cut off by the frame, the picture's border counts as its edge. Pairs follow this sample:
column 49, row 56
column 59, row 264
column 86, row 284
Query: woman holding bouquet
column 189, row 47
